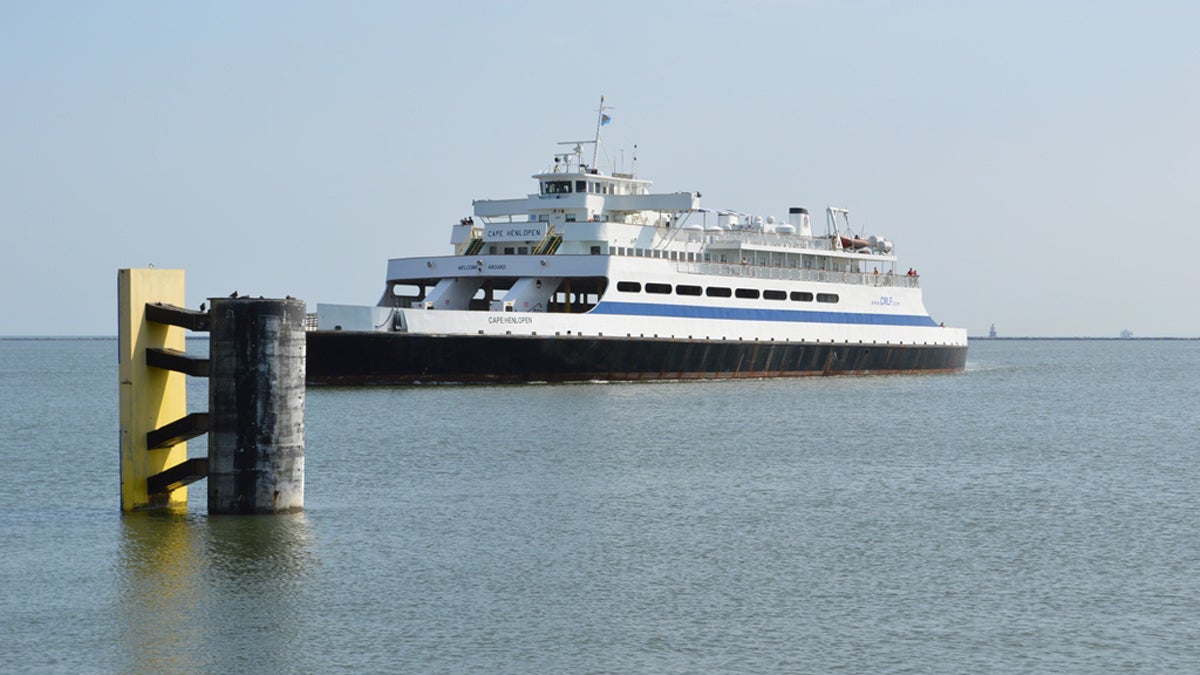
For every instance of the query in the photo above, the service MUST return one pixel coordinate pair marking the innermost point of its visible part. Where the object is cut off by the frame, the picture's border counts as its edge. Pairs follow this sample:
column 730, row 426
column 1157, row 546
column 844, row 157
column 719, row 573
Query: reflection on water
column 193, row 588
column 159, row 578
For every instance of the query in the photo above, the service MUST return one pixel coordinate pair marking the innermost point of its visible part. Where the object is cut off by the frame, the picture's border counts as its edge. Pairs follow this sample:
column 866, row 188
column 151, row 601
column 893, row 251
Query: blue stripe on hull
column 747, row 314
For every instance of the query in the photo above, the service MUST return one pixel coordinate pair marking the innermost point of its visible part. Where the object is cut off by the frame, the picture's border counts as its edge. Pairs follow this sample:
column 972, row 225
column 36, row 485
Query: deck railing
column 794, row 274
column 773, row 239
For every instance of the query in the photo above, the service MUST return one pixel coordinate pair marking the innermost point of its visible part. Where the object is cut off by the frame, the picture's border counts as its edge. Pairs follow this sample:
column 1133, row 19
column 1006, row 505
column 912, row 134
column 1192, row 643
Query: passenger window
column 747, row 293
column 663, row 289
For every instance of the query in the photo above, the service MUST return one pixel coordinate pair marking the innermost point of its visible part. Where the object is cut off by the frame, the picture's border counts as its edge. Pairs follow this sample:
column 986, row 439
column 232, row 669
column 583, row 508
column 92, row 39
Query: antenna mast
column 599, row 123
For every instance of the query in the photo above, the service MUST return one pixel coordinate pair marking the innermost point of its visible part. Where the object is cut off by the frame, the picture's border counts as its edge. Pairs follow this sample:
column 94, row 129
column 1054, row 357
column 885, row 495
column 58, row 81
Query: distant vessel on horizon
column 992, row 332
column 594, row 277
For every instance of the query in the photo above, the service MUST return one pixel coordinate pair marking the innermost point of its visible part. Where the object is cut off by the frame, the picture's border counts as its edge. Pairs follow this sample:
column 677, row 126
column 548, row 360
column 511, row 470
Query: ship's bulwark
column 348, row 357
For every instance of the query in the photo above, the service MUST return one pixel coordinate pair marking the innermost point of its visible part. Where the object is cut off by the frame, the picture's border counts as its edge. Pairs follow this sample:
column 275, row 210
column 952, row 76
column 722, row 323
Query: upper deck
column 580, row 211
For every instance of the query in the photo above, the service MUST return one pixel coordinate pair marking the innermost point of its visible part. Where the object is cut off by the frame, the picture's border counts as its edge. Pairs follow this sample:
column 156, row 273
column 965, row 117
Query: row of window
column 726, row 292
column 563, row 187
column 681, row 256
column 524, row 250
column 688, row 256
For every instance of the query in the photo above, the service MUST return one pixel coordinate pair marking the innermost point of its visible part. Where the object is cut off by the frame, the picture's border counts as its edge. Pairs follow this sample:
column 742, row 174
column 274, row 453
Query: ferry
column 595, row 277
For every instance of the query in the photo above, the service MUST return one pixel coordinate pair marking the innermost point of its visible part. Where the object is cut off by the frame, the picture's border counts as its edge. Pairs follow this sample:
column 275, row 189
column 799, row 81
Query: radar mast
column 601, row 120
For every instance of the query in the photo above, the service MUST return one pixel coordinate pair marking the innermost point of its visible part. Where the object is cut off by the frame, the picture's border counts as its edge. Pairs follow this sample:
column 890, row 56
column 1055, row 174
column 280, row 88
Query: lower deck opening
column 573, row 295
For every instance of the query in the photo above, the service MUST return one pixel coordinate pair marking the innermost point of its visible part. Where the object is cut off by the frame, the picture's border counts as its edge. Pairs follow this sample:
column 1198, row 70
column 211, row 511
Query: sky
column 1038, row 162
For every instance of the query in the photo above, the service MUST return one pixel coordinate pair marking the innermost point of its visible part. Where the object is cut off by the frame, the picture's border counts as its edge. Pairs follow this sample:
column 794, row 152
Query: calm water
column 1039, row 513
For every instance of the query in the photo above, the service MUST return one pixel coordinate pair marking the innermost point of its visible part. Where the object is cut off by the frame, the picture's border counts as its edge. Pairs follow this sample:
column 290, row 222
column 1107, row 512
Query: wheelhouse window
column 687, row 290
column 662, row 289
column 718, row 292
column 581, row 186
column 827, row 297
column 629, row 287
column 747, row 293
column 556, row 187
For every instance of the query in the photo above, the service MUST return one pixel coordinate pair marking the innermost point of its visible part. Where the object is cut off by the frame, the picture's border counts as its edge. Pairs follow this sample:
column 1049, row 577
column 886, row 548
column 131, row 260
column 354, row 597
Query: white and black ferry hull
column 367, row 357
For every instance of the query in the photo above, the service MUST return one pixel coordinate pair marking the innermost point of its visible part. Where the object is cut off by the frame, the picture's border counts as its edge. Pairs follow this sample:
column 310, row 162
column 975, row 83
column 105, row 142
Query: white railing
column 793, row 274
column 774, row 239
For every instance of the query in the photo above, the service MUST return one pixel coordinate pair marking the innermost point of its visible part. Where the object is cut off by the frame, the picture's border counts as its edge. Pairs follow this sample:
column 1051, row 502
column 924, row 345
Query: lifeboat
column 855, row 243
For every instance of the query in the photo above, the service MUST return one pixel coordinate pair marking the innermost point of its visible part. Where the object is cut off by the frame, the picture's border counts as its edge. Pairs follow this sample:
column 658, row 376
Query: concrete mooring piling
column 256, row 405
